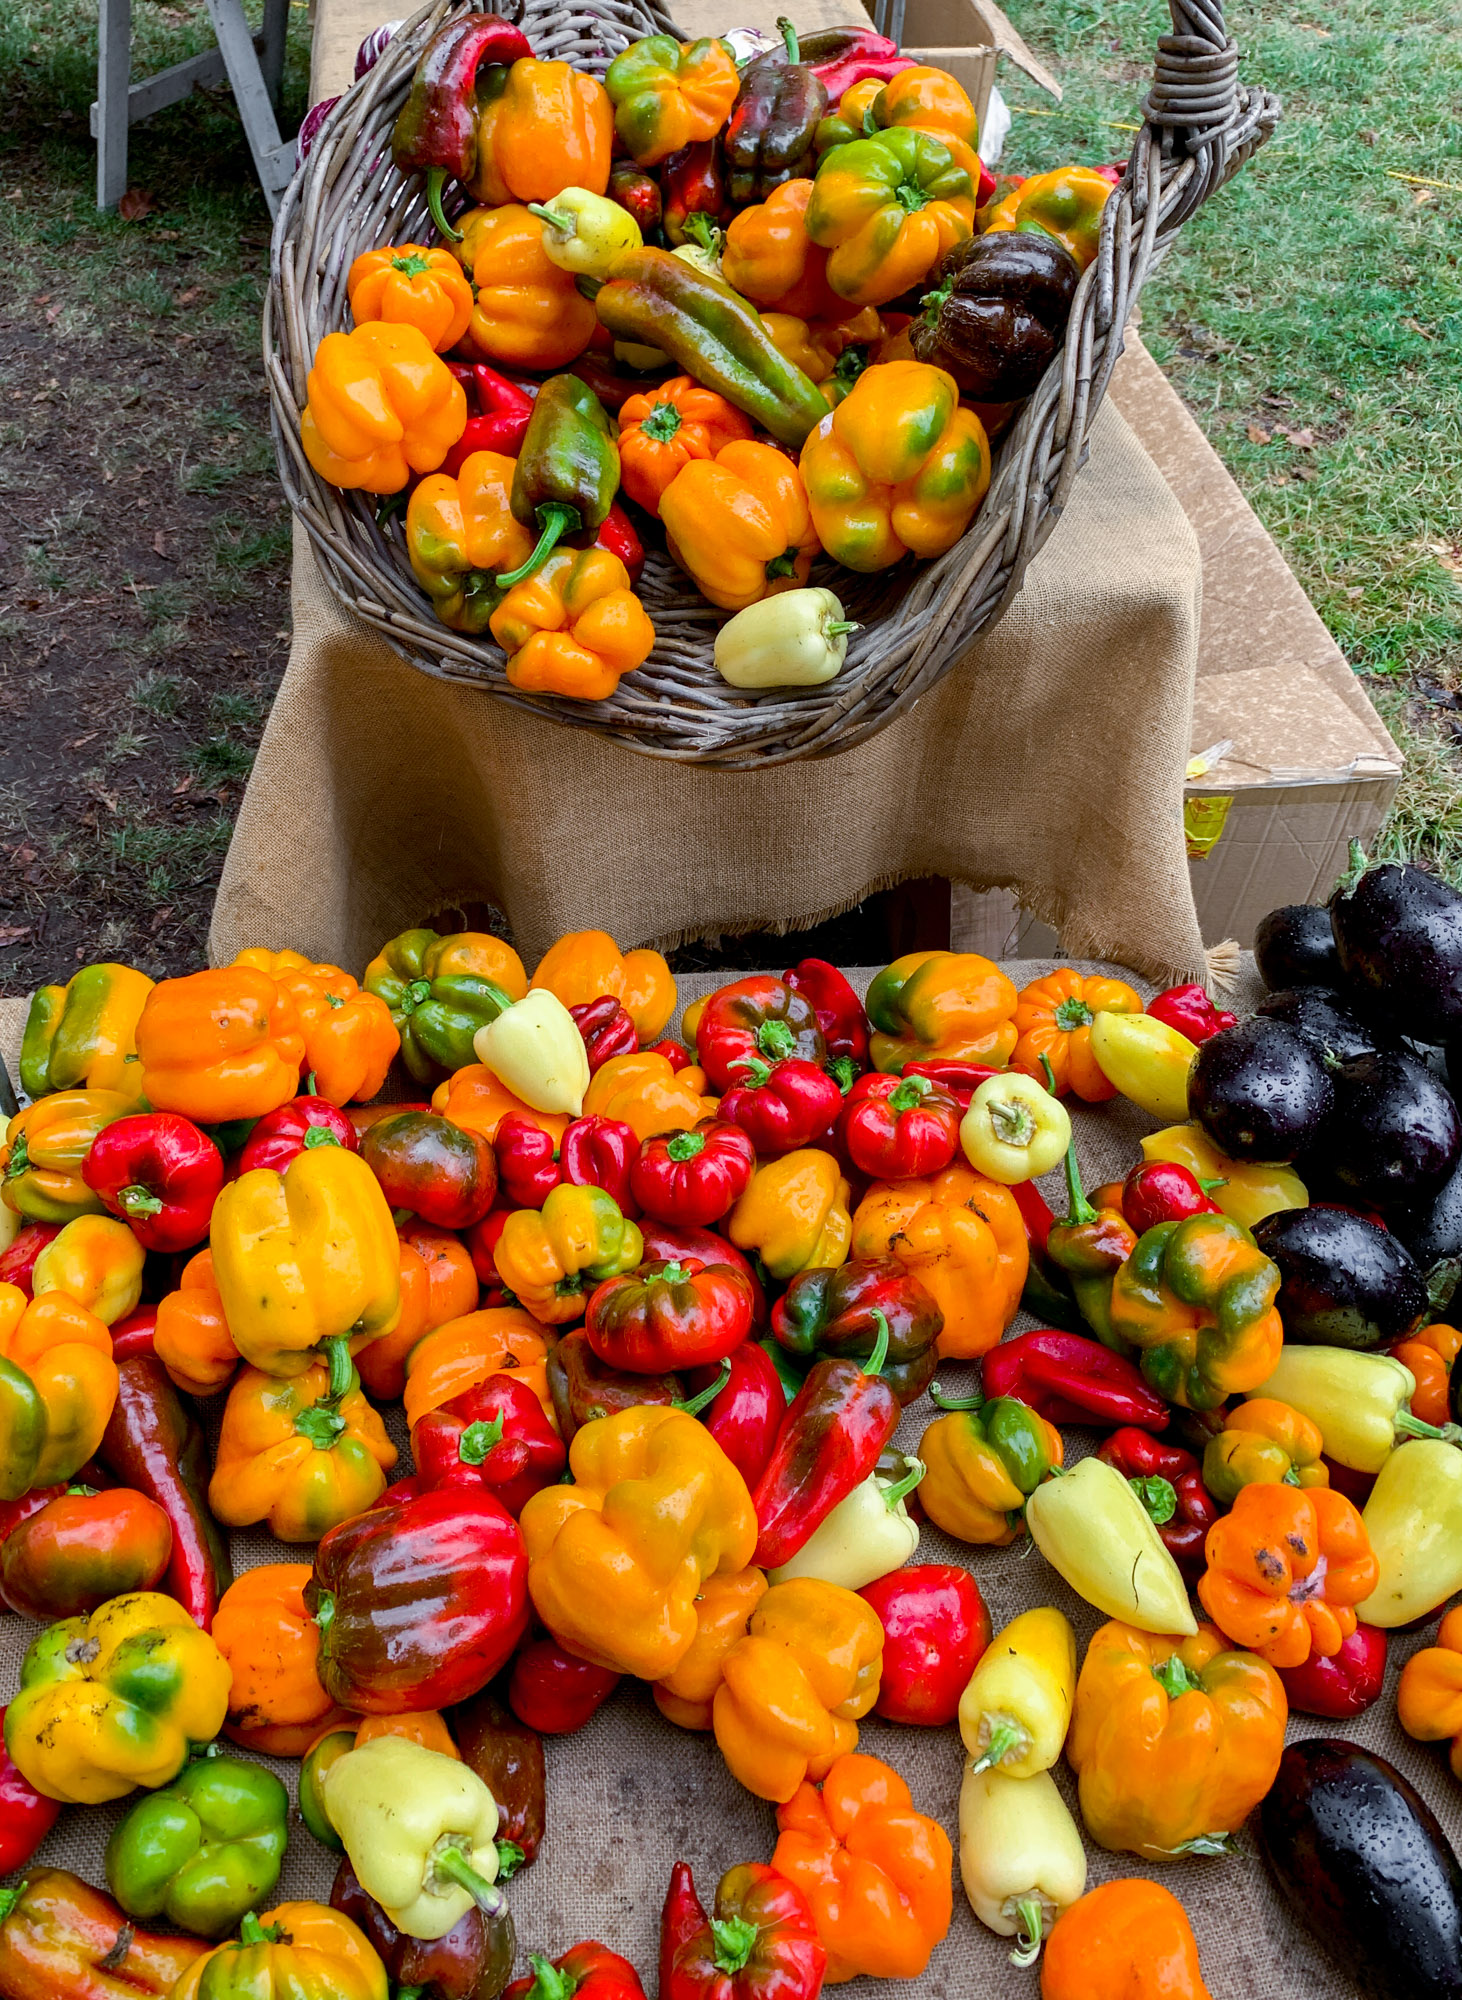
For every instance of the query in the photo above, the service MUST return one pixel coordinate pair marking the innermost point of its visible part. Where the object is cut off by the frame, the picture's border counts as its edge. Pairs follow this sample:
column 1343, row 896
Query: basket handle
column 1194, row 97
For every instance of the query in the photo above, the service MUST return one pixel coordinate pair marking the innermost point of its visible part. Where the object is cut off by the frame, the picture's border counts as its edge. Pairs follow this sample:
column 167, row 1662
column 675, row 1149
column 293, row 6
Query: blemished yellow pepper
column 1014, row 1714
column 303, row 1257
column 381, row 405
column 794, row 1214
column 1246, row 1191
column 1066, row 203
column 83, row 1035
column 1094, row 1531
column 97, row 1261
column 1414, row 1521
column 116, row 1700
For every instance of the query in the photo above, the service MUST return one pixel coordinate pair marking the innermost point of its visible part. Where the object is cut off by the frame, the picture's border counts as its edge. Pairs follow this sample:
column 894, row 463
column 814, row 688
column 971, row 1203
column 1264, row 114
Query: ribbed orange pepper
column 528, row 313
column 740, row 525
column 1127, row 1940
column 551, row 1258
column 548, row 127
column 1053, row 1018
column 407, row 285
column 381, row 405
column 664, row 428
column 476, row 1100
column 220, row 1045
column 1286, row 1569
column 932, row 101
column 350, row 1040
column 645, row 1093
column 191, row 1338
column 438, row 1283
column 574, row 626
column 670, row 94
column 1430, row 1355
column 586, row 965
column 722, row 1612
column 294, row 1456
column 876, row 1873
column 1264, row 1442
column 770, row 259
column 1429, row 1693
column 271, row 1643
column 954, row 1004
column 794, row 1213
column 460, row 533
column 962, row 1237
column 465, row 1351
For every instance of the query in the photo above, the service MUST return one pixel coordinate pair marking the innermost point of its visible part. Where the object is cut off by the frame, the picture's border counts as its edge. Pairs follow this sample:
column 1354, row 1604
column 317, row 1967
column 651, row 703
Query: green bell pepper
column 437, row 1000
column 205, row 1850
column 567, row 472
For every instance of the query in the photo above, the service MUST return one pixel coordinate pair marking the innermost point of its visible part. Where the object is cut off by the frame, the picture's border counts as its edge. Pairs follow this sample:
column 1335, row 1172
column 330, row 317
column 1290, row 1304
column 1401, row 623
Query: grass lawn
column 1310, row 317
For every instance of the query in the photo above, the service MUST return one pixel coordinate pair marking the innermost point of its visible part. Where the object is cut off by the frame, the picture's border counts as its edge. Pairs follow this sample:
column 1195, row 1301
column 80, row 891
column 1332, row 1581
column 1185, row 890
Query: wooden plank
column 272, row 159
column 275, row 36
column 113, row 69
column 169, row 86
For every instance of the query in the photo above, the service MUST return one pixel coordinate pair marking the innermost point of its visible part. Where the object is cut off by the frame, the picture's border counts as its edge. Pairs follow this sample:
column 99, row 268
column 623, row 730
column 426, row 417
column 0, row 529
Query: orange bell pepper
column 739, row 524
column 380, row 406
column 1175, row 1741
column 573, row 626
column 438, row 1283
column 646, row 1094
column 527, row 312
column 98, row 1262
column 887, row 208
column 722, row 1612
column 303, row 1454
column 1066, row 203
column 220, row 1045
column 58, row 1386
column 463, row 1352
column 770, row 259
column 460, row 532
column 478, row 1101
column 876, row 1873
column 1430, row 1355
column 191, row 1338
column 547, row 127
column 962, row 1237
column 956, row 1005
column 551, row 1258
column 1286, row 1569
column 813, row 349
column 1053, row 1018
column 669, row 94
column 932, row 101
column 271, row 1643
column 1263, row 1442
column 587, row 965
column 664, row 428
column 1429, row 1693
column 1127, row 1940
column 350, row 1041
column 407, row 285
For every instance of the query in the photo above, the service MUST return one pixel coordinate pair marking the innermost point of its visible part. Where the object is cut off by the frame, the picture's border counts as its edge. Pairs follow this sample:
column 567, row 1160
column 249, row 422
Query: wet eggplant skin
column 1295, row 946
column 1398, row 933
column 1344, row 1281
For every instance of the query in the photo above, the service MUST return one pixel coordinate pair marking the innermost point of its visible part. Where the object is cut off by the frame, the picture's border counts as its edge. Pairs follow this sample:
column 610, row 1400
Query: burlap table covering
column 630, row 1794
column 1049, row 762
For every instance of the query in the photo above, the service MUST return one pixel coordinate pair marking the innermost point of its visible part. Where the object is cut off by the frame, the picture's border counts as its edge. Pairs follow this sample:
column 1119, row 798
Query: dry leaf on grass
column 135, row 204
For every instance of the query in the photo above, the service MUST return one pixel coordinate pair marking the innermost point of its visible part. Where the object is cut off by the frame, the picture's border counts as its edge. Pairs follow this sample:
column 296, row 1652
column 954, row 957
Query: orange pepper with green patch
column 1263, row 1443
column 45, row 1147
column 1066, row 203
column 460, row 533
column 1197, row 1298
column 58, row 1386
column 668, row 94
column 886, row 209
column 1053, row 1018
column 83, row 1035
column 407, row 285
column 551, row 1258
column 953, row 1006
column 573, row 627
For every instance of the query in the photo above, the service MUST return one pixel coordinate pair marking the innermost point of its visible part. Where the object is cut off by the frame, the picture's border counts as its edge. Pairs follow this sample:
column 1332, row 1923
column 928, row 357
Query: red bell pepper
column 761, row 1944
column 500, row 409
column 556, row 1692
column 747, row 1409
column 781, row 1106
column 83, row 1548
column 26, row 1817
column 960, row 1079
column 756, row 1016
column 495, row 1437
column 302, row 1124
column 935, row 1627
column 19, row 1261
column 154, row 1445
column 829, row 1442
column 840, row 1014
column 675, row 1244
column 606, row 1028
column 160, row 1174
column 694, row 1177
column 481, row 1240
column 1069, row 1379
column 1169, row 1483
column 675, row 1053
column 527, row 1162
column 593, row 1152
column 1189, row 1010
column 134, row 1334
column 588, row 1971
column 668, row 1316
column 584, row 1388
column 833, row 1313
column 419, row 1605
column 898, row 1128
column 432, row 1168
column 1161, row 1191
column 1345, row 1683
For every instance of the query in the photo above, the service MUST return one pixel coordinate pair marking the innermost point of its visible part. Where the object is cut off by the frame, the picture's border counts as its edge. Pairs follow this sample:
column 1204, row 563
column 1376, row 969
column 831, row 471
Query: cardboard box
column 965, row 37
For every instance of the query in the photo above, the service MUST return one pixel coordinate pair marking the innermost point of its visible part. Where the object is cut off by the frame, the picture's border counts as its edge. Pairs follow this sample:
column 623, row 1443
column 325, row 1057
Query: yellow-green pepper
column 1414, row 1521
column 45, row 1147
column 1244, row 1189
column 83, row 1035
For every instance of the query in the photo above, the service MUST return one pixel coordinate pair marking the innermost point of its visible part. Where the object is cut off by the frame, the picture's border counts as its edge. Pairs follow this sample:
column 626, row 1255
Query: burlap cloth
column 1050, row 762
column 630, row 1794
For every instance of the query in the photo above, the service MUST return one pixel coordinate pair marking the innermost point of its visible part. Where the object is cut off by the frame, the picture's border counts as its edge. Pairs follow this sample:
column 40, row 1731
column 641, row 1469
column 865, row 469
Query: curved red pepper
column 845, row 56
column 694, row 1177
column 606, row 1028
column 1069, row 1379
column 160, row 1174
column 299, row 1126
column 617, row 533
column 155, row 1446
column 1345, row 1683
column 1189, row 1010
column 431, row 1167
column 746, row 1412
column 675, row 1243
column 898, row 1128
column 134, row 1334
column 494, row 1437
column 556, row 1692
column 1169, row 1483
column 1161, row 1191
column 761, row 1944
column 668, row 1316
column 960, row 1079
column 756, row 1016
column 19, row 1261
column 782, row 1106
column 26, row 1817
column 935, row 1627
column 527, row 1164
column 500, row 409
column 840, row 1014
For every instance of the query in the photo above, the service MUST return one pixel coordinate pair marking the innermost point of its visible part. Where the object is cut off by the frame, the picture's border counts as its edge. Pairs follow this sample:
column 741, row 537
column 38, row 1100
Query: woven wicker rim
column 917, row 620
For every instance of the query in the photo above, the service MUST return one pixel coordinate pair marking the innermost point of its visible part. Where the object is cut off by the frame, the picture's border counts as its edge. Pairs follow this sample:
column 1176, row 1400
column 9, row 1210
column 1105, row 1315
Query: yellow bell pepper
column 96, row 1261
column 1016, row 1709
column 58, row 1387
column 955, row 1005
column 1146, row 1060
column 83, row 1035
column 45, row 1146
column 585, row 965
column 116, row 1700
column 305, row 1256
column 794, row 1214
column 302, row 1455
column 1246, row 1191
column 381, row 405
column 617, row 1559
column 648, row 1095
column 535, row 1048
column 551, row 1259
column 1414, row 1521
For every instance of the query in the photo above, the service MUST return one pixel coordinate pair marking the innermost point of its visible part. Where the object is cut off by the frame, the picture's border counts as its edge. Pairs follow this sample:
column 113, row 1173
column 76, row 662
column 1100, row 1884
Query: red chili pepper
column 1169, row 1483
column 1161, row 1191
column 1189, row 1010
column 756, row 1016
column 19, row 1261
column 747, row 1409
column 668, row 1316
column 840, row 1013
column 782, row 1106
column 845, row 56
column 899, row 1128
column 935, row 1627
column 556, row 1692
column 297, row 1127
column 25, row 1816
column 156, row 1447
column 493, row 1436
column 1069, row 1379
column 606, row 1028
column 160, row 1174
column 432, row 1168
column 675, row 1053
column 588, row 1971
column 134, row 1334
column 694, row 1177
column 829, row 1442
column 761, row 1943
column 500, row 412
column 1345, row 1683
column 676, row 1243
column 960, row 1079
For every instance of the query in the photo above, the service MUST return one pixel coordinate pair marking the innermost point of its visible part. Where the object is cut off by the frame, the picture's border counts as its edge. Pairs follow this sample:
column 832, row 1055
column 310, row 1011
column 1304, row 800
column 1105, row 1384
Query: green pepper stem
column 707, row 1396
column 1081, row 1209
column 8, row 1900
column 783, row 565
column 841, row 625
column 336, row 1351
column 683, row 1146
column 479, row 1440
column 909, row 1093
column 1032, row 1930
column 775, row 1039
column 841, row 1069
column 1176, row 1678
column 673, row 1274
column 662, row 423
column 510, row 1858
column 943, row 1402
column 1357, row 867
column 1205, row 1843
column 319, row 1135
column 139, row 1200
column 700, row 230
column 436, row 180
column 1159, row 1497
column 874, row 1364
column 557, row 519
column 789, row 36
column 563, row 225
column 1410, row 1426
column 548, row 1982
column 408, row 1993
column 325, row 1612
column 1005, row 1735
column 321, row 1424
column 251, row 1931
column 1050, row 1074
column 757, row 1072
column 452, row 1864
column 734, row 1940
column 914, row 1470
column 1011, row 1121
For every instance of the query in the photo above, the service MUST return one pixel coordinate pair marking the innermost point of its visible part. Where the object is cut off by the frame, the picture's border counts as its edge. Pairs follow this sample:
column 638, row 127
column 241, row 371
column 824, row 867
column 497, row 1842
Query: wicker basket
column 1200, row 127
